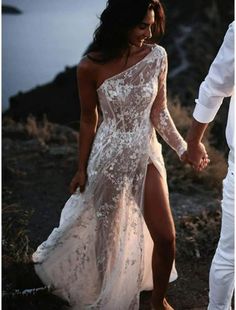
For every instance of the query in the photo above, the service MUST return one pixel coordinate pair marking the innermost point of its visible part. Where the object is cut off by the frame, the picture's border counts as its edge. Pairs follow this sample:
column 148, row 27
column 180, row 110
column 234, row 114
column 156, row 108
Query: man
column 219, row 83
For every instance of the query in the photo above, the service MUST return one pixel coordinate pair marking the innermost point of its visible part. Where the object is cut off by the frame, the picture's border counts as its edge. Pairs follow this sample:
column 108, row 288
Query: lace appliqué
column 169, row 133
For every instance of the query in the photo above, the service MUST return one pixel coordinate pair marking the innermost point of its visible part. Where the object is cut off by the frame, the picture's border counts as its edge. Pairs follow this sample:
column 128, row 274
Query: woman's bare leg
column 160, row 223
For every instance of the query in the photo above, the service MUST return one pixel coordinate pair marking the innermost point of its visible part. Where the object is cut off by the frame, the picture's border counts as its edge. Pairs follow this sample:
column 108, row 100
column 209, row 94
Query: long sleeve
column 160, row 116
column 219, row 82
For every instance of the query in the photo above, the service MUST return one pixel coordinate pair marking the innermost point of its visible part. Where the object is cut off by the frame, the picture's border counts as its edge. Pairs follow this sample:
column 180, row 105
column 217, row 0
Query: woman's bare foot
column 163, row 306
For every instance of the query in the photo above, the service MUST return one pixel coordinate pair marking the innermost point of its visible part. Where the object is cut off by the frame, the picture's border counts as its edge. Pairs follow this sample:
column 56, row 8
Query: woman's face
column 142, row 31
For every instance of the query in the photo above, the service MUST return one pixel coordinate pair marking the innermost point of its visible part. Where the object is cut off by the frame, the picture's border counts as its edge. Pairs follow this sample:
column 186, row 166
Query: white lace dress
column 100, row 255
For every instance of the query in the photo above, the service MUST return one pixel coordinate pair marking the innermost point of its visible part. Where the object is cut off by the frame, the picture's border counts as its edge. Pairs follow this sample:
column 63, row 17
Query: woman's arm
column 88, row 121
column 160, row 116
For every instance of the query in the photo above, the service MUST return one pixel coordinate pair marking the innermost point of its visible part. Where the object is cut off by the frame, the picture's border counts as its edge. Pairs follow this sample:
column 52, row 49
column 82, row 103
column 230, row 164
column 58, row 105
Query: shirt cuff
column 203, row 114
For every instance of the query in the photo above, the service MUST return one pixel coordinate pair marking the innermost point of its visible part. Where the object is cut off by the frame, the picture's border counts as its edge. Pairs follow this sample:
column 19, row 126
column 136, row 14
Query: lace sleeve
column 160, row 116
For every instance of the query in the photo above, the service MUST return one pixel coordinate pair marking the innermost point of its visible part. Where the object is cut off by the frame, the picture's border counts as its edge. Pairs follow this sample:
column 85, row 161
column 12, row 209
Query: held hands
column 196, row 156
column 79, row 180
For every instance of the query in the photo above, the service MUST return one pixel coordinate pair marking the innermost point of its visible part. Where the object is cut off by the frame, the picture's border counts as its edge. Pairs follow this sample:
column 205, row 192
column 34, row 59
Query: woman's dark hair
column 119, row 17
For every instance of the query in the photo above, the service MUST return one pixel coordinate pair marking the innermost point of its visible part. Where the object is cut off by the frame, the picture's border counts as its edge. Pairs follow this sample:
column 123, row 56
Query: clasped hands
column 196, row 155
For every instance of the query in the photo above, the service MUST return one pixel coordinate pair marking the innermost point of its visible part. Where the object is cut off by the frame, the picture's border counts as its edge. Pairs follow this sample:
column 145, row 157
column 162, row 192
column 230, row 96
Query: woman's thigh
column 157, row 212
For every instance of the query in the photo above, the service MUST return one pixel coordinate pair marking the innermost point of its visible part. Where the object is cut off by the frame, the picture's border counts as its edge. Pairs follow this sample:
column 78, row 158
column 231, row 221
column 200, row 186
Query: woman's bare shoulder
column 85, row 65
column 90, row 62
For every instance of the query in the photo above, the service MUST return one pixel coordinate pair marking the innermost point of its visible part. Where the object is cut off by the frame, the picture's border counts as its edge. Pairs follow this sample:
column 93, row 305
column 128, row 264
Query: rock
column 8, row 9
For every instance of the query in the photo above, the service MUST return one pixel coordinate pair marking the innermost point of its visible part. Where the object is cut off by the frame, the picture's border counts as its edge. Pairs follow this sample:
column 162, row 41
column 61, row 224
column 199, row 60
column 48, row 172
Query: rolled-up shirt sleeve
column 219, row 83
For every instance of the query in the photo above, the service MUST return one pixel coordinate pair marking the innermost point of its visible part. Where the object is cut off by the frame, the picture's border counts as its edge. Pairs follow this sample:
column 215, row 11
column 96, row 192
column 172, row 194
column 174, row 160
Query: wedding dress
column 100, row 255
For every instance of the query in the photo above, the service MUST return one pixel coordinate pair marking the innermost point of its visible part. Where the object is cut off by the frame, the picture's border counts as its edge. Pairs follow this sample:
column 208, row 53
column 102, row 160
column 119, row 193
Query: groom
column 219, row 83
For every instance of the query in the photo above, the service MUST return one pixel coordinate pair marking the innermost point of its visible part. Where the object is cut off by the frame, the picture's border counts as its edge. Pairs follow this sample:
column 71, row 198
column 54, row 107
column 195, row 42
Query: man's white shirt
column 218, row 84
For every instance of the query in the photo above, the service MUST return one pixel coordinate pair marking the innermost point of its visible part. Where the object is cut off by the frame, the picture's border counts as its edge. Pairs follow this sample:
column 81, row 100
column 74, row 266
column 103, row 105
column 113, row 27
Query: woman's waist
column 120, row 129
column 138, row 136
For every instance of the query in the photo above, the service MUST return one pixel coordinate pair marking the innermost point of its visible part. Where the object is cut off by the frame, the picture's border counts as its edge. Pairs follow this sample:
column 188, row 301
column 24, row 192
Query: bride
column 116, row 235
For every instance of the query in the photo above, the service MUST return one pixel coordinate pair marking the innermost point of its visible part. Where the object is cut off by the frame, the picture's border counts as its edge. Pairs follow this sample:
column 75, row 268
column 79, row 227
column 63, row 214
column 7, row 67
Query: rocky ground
column 38, row 164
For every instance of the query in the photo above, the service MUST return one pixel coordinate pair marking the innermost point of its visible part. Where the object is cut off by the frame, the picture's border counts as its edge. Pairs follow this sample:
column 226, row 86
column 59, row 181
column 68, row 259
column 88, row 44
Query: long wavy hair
column 111, row 38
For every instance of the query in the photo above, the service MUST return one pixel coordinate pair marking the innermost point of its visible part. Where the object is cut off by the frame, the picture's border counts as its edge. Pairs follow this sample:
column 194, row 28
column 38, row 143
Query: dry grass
column 43, row 131
column 15, row 241
column 181, row 115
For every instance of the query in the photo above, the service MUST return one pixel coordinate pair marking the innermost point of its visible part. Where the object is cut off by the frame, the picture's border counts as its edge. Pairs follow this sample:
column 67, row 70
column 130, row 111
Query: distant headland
column 9, row 9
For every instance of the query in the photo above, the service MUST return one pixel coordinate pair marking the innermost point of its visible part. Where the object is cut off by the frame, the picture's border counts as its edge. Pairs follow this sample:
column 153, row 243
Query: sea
column 48, row 36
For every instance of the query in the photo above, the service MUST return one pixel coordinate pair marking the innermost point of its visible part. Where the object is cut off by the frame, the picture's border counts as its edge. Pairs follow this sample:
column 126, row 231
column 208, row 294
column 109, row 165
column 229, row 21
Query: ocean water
column 38, row 44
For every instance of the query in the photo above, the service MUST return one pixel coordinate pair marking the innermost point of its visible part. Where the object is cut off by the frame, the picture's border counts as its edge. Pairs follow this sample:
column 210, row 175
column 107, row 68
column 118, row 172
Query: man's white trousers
column 221, row 280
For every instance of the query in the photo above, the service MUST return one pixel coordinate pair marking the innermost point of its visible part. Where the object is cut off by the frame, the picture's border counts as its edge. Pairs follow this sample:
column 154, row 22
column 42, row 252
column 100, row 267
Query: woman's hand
column 184, row 157
column 78, row 180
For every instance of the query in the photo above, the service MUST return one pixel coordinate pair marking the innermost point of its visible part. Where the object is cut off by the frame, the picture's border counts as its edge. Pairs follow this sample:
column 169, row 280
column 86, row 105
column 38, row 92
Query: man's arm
column 219, row 83
column 196, row 152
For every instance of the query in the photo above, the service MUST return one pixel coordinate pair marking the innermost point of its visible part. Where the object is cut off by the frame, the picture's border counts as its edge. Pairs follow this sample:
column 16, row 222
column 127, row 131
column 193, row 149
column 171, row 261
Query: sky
column 41, row 42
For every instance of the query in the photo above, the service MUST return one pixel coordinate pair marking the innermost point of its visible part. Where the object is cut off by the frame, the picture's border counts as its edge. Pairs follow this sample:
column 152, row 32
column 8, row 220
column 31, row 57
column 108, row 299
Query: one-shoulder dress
column 99, row 257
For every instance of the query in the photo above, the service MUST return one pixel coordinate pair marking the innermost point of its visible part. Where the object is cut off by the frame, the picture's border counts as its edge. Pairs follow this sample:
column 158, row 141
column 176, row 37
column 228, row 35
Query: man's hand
column 78, row 180
column 196, row 153
column 197, row 156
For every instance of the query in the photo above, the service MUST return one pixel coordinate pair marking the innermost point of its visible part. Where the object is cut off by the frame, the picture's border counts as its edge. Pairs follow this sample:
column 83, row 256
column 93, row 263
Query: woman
column 100, row 256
